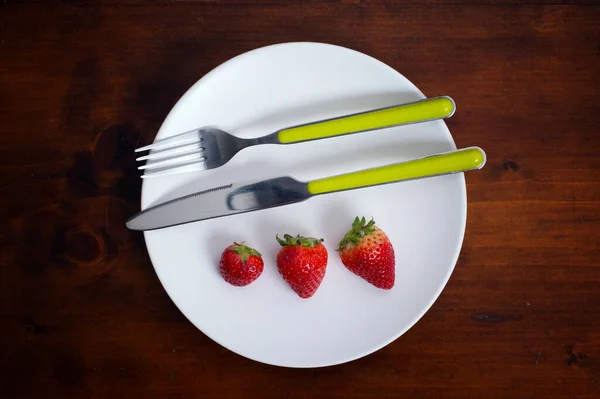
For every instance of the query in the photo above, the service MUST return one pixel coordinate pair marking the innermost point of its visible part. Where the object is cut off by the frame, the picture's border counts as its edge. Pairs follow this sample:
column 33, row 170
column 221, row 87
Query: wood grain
column 82, row 83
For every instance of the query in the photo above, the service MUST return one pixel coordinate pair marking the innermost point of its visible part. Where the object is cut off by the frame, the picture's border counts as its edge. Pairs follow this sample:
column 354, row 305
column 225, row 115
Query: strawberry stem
column 244, row 251
column 288, row 240
column 359, row 229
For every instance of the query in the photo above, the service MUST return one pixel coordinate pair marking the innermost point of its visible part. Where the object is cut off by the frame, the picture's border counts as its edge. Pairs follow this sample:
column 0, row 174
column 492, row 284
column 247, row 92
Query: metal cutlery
column 255, row 195
column 210, row 148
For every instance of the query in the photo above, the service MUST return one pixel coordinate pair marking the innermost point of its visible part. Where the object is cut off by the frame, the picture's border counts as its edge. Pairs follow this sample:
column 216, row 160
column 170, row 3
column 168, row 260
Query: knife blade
column 221, row 201
column 263, row 194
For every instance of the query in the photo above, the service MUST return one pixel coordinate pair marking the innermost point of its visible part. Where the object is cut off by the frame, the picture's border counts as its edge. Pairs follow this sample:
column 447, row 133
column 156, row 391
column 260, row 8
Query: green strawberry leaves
column 288, row 240
column 244, row 251
column 360, row 228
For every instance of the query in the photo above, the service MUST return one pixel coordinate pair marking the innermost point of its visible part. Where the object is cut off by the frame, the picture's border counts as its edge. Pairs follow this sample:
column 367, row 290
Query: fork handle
column 420, row 111
column 441, row 164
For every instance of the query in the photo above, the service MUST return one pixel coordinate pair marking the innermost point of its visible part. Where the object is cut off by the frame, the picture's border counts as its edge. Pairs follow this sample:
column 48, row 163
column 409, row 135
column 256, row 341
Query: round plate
column 263, row 91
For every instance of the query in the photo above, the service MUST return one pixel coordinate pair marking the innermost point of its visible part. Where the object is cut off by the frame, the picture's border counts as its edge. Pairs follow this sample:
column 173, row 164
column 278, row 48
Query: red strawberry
column 366, row 251
column 240, row 265
column 301, row 262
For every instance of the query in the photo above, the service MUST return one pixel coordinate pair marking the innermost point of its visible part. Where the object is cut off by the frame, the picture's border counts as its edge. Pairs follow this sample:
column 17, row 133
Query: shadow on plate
column 227, row 175
column 387, row 154
column 331, row 108
column 263, row 170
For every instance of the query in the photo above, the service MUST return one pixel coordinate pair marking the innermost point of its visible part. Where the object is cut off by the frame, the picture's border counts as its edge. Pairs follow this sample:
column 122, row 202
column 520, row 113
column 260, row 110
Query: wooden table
column 82, row 83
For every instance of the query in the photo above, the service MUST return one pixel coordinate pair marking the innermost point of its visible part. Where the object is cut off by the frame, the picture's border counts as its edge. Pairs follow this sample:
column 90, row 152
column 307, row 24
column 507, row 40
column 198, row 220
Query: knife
column 255, row 195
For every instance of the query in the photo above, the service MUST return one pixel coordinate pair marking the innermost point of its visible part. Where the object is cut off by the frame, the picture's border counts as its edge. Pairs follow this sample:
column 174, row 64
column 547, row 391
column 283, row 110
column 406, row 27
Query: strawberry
column 240, row 265
column 366, row 251
column 301, row 262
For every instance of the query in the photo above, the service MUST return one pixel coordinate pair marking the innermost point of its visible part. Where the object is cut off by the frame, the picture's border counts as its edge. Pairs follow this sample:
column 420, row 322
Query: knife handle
column 451, row 162
column 420, row 111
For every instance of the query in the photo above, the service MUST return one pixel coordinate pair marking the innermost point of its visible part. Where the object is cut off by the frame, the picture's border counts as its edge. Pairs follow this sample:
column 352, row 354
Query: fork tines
column 174, row 152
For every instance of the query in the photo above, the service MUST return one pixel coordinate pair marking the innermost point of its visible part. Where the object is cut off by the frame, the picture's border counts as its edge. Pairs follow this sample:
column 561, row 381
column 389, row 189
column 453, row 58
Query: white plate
column 283, row 85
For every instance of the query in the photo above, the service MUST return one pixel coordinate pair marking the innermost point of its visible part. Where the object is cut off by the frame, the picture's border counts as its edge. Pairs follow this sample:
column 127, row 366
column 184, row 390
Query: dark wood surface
column 82, row 83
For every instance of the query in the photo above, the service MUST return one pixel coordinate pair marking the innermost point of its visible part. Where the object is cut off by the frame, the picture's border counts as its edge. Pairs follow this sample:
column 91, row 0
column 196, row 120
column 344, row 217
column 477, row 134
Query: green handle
column 420, row 111
column 451, row 162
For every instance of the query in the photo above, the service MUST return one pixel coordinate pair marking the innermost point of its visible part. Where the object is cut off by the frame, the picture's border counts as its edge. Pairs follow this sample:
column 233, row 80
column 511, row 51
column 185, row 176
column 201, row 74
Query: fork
column 209, row 148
